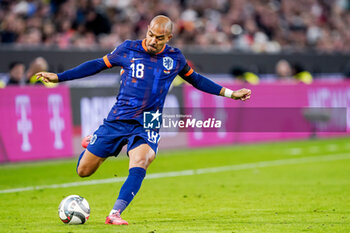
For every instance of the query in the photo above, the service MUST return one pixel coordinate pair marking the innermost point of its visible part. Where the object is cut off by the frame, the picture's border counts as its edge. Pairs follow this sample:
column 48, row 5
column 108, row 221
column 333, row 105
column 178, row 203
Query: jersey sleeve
column 186, row 71
column 83, row 70
column 183, row 63
column 199, row 81
column 115, row 58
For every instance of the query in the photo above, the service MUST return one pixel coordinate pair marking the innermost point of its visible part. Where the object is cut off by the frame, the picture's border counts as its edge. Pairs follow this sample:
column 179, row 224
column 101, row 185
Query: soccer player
column 148, row 68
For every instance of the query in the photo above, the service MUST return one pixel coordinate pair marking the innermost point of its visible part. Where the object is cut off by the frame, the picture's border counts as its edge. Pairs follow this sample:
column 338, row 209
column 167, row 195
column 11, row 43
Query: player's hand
column 241, row 94
column 47, row 77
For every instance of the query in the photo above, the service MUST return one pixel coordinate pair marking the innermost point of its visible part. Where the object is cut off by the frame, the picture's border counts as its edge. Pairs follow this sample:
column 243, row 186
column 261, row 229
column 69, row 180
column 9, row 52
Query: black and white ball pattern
column 74, row 209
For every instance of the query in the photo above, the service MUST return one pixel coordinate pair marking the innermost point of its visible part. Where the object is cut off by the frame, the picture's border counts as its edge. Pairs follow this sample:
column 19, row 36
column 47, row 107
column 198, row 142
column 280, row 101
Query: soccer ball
column 74, row 209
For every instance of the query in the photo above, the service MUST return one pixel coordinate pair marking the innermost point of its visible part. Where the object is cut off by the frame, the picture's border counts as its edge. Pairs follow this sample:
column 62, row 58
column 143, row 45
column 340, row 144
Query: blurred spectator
column 301, row 74
column 16, row 75
column 248, row 25
column 97, row 23
column 244, row 75
column 37, row 65
column 297, row 73
column 283, row 70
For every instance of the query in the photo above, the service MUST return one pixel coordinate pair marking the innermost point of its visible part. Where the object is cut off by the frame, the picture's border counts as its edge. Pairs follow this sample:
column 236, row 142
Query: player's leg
column 140, row 158
column 88, row 163
column 106, row 141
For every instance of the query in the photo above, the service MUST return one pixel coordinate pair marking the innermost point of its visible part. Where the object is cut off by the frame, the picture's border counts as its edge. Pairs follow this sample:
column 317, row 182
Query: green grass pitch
column 250, row 195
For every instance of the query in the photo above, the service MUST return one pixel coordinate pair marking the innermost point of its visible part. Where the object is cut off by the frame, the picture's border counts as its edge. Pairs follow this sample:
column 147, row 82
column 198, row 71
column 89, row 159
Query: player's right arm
column 85, row 69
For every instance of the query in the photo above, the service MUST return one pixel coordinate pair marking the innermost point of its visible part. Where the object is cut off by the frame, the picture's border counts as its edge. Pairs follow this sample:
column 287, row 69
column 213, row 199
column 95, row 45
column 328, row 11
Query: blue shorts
column 111, row 136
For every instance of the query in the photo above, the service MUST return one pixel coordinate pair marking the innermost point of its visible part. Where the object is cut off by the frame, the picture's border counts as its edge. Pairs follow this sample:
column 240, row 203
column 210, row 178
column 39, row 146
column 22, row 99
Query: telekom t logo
column 24, row 124
column 56, row 122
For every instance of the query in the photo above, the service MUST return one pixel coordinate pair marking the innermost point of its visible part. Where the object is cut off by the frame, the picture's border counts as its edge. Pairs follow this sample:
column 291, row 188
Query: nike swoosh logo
column 135, row 59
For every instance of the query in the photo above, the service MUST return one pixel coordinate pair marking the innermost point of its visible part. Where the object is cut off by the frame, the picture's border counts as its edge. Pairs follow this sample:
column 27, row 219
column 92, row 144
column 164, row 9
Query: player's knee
column 83, row 171
column 143, row 161
column 140, row 162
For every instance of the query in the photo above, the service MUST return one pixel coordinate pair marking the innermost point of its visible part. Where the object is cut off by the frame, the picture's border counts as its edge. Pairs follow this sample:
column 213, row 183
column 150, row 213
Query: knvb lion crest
column 168, row 63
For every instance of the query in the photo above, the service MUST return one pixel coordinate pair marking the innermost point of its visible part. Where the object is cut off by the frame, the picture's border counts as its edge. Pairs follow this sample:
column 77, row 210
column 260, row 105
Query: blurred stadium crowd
column 246, row 25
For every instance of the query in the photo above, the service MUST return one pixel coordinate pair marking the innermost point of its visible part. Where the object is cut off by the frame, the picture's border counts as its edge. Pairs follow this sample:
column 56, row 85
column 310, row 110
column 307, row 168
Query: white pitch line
column 236, row 167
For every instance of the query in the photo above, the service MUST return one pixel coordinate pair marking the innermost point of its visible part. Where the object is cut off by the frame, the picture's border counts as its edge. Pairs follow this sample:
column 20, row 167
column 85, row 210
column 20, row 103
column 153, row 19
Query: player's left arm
column 204, row 84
